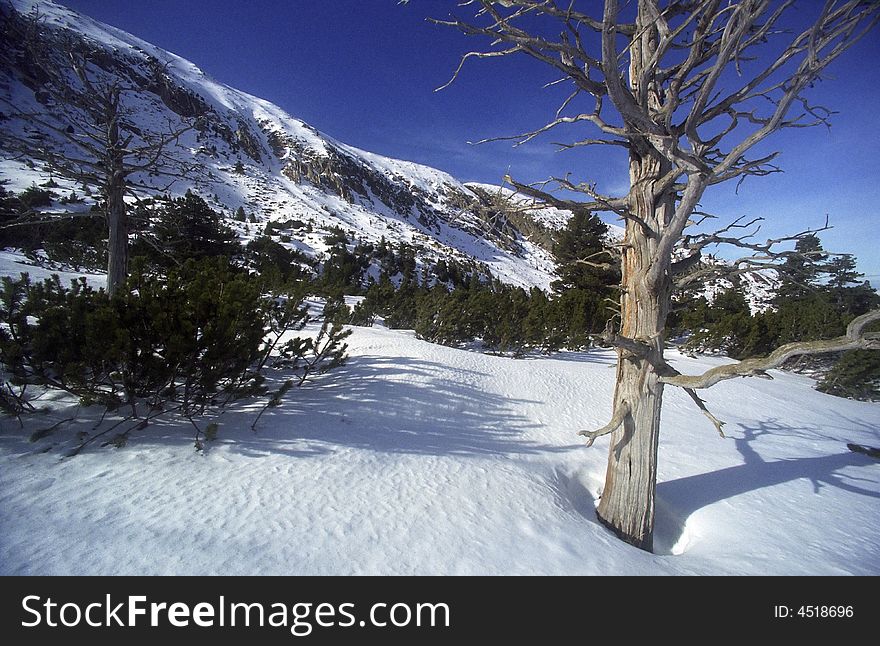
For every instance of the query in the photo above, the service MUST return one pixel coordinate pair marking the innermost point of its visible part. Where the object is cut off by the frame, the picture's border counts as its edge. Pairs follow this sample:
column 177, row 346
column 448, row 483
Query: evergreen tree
column 187, row 228
column 277, row 265
column 856, row 376
column 585, row 287
column 847, row 292
column 802, row 270
column 842, row 272
column 805, row 309
column 582, row 241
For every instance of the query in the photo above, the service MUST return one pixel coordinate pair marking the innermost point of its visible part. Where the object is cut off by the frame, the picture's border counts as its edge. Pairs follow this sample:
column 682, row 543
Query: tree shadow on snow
column 678, row 499
column 394, row 405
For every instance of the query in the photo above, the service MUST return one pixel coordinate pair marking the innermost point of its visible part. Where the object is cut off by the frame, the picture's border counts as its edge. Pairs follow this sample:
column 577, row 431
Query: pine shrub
column 187, row 342
column 855, row 376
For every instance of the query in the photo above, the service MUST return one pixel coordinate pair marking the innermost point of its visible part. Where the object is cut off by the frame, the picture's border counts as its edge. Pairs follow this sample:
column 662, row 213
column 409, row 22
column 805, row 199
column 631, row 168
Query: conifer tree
column 188, row 228
column 582, row 256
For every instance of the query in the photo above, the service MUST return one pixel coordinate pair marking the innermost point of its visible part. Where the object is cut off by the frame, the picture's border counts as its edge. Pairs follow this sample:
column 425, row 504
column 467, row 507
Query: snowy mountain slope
column 758, row 286
column 549, row 217
column 251, row 154
column 416, row 458
column 288, row 170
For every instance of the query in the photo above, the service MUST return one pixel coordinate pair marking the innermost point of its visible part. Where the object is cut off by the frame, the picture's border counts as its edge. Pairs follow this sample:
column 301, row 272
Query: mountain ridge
column 253, row 155
column 286, row 169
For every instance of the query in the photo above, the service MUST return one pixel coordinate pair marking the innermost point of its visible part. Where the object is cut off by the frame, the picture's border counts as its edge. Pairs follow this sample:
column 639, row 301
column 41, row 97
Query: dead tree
column 688, row 88
column 77, row 127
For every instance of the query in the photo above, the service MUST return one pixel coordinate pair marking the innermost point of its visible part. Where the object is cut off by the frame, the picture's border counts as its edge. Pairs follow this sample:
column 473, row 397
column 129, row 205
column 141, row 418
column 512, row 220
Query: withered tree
column 70, row 117
column 688, row 88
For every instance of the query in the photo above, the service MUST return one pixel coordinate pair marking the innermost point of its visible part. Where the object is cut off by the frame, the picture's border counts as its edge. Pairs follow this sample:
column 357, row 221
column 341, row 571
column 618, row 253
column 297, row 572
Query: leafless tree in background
column 81, row 131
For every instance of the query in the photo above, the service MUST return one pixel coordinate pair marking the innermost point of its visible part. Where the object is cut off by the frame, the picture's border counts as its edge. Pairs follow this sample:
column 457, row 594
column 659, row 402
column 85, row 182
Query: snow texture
column 417, row 458
column 421, row 459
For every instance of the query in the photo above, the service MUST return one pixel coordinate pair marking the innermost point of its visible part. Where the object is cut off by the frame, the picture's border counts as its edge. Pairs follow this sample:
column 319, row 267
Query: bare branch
column 701, row 404
column 528, row 136
column 634, row 347
column 616, row 420
column 669, row 371
column 598, row 265
column 764, row 255
column 505, row 52
column 854, row 339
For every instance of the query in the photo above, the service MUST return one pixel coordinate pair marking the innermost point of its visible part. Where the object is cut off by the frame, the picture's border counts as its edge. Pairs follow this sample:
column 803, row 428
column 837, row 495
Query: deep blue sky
column 364, row 72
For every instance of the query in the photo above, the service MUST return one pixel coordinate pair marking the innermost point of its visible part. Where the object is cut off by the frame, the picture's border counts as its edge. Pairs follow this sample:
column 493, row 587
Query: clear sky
column 365, row 72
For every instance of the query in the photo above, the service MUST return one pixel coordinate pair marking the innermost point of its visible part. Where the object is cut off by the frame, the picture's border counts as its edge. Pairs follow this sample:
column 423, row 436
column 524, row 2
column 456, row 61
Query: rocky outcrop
column 182, row 101
column 508, row 218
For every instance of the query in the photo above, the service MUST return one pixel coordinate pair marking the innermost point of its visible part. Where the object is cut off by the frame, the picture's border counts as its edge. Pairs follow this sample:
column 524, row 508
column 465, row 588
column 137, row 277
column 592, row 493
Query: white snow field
column 422, row 459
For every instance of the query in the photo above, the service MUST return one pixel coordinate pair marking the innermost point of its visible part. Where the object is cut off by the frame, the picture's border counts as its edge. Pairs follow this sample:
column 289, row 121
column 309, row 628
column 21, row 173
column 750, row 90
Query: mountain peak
column 252, row 154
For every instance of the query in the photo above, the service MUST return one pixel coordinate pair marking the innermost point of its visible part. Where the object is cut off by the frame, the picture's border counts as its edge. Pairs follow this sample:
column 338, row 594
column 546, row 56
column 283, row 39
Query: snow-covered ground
column 14, row 263
column 417, row 458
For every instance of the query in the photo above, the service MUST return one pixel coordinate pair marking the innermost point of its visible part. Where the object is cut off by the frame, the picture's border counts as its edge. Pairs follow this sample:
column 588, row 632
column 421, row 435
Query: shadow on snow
column 395, row 405
column 679, row 499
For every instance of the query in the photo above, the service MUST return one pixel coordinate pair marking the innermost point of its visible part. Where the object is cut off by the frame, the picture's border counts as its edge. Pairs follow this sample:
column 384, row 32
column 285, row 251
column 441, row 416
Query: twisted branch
column 854, row 339
column 620, row 414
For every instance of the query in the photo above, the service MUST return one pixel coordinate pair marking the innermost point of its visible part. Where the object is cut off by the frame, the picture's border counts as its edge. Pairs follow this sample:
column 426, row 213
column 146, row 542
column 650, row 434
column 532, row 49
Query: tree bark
column 627, row 503
column 114, row 194
column 117, row 243
column 690, row 115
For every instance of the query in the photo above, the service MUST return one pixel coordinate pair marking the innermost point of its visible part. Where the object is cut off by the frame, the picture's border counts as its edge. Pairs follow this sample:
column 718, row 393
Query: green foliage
column 182, row 339
column 582, row 241
column 336, row 237
column 278, row 266
column 72, row 198
column 305, row 356
column 802, row 270
column 573, row 316
column 502, row 317
column 587, row 285
column 805, row 308
column 855, row 376
column 211, row 431
column 35, row 197
column 343, row 270
column 79, row 242
column 11, row 206
column 464, row 305
column 186, row 228
column 186, row 342
column 724, row 325
column 75, row 240
column 327, row 350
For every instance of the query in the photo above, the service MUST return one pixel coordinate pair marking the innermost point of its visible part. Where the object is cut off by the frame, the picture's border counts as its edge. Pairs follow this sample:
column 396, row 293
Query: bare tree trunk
column 117, row 224
column 689, row 116
column 117, row 243
column 627, row 504
column 114, row 193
